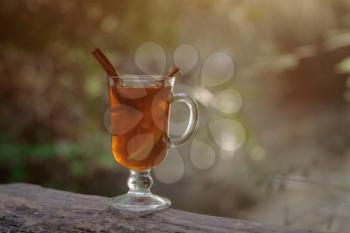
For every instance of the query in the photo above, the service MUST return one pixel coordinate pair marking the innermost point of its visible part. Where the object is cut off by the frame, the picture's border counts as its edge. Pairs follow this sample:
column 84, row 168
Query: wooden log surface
column 31, row 208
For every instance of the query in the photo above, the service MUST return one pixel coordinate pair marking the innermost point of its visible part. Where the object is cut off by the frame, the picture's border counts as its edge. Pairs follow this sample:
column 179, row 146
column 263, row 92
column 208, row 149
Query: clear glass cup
column 139, row 108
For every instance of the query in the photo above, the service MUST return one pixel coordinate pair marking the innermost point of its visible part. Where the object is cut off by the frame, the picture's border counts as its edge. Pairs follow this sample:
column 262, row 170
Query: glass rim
column 135, row 77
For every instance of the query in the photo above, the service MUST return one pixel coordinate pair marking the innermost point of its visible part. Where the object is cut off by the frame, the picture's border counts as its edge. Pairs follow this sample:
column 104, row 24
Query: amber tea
column 139, row 110
column 139, row 119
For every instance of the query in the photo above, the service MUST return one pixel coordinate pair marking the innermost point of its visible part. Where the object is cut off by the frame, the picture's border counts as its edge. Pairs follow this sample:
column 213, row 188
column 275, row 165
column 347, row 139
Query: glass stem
column 140, row 183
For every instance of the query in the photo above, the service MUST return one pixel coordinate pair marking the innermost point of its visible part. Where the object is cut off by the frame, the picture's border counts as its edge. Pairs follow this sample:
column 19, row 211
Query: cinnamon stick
column 173, row 71
column 105, row 62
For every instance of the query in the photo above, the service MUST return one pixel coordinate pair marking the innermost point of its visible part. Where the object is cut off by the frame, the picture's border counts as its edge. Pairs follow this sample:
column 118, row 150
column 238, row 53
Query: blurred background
column 271, row 79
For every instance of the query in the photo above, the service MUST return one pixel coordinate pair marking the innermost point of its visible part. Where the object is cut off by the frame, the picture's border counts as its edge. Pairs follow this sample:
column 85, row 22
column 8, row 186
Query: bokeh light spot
column 203, row 95
column 150, row 58
column 228, row 101
column 217, row 69
column 122, row 119
column 171, row 169
column 228, row 134
column 109, row 24
column 140, row 146
column 202, row 155
column 227, row 155
column 186, row 56
column 93, row 86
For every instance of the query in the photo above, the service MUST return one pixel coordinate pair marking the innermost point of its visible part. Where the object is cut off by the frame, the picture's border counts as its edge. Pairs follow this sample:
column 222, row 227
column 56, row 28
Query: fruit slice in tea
column 124, row 118
column 140, row 147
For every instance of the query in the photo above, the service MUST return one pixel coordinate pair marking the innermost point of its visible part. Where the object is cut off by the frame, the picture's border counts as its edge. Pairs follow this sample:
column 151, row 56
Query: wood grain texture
column 31, row 208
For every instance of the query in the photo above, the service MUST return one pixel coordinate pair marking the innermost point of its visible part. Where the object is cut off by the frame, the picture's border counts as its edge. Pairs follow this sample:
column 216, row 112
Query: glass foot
column 139, row 198
column 140, row 203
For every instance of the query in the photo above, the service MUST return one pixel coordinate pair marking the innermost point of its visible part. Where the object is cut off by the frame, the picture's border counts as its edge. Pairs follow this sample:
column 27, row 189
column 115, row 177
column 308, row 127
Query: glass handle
column 192, row 105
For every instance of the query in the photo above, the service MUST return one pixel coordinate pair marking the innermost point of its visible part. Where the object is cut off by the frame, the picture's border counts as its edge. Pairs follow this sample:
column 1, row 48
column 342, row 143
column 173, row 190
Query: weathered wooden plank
column 31, row 208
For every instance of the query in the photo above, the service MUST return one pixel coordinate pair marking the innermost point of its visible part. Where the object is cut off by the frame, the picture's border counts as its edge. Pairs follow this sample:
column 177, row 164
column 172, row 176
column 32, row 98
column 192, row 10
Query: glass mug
column 139, row 110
